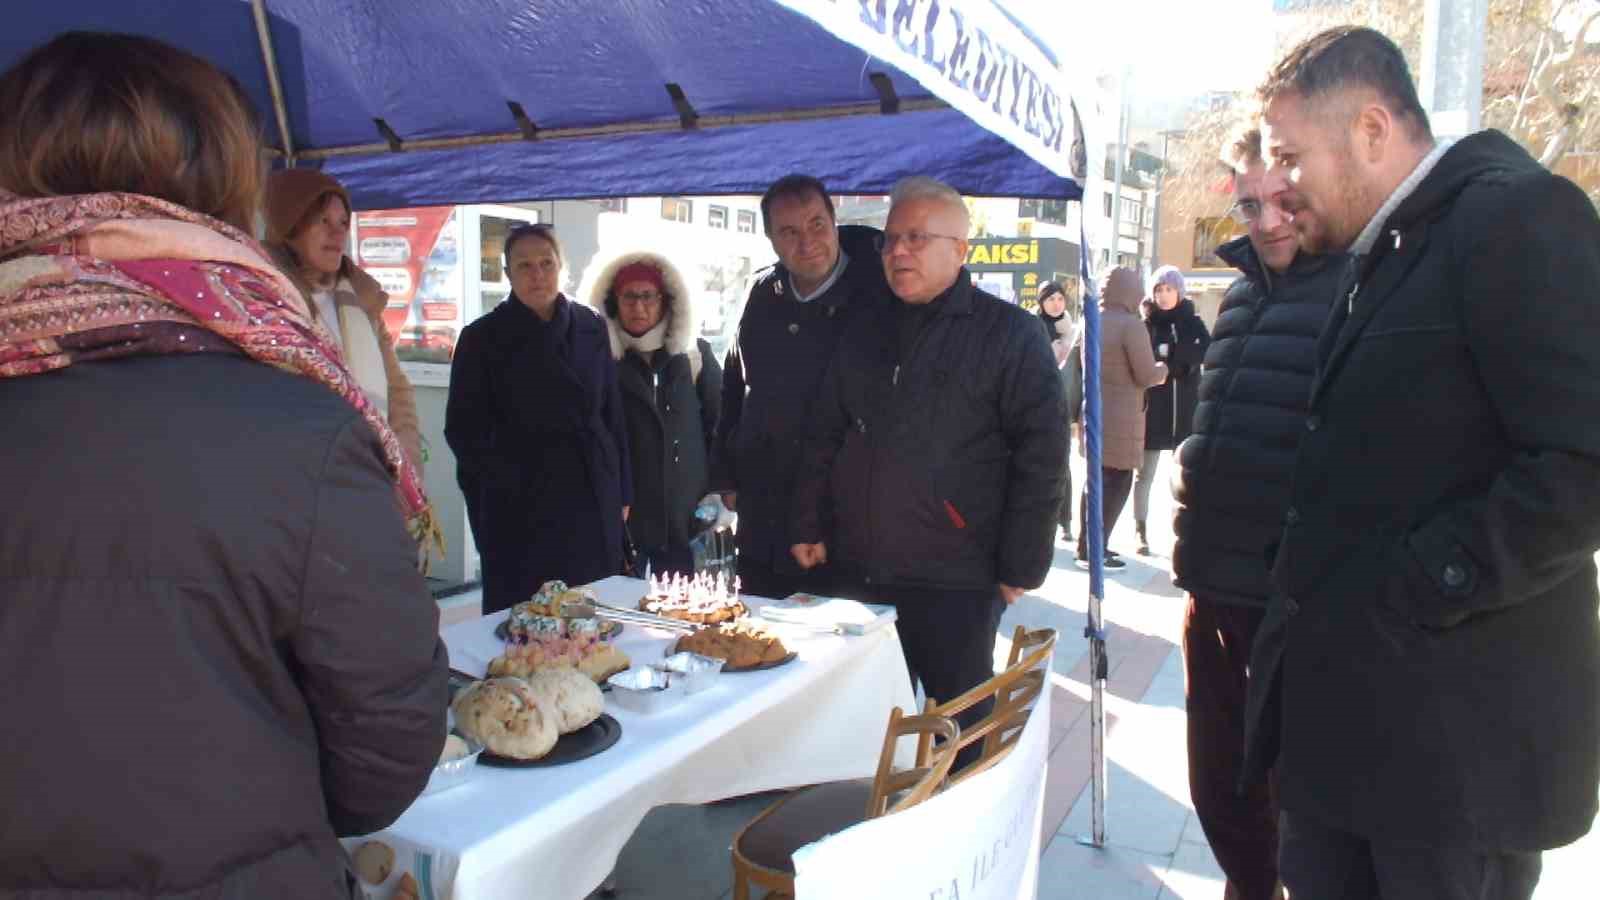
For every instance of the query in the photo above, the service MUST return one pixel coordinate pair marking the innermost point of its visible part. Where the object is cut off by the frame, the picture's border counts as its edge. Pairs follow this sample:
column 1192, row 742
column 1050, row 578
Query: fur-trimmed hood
column 682, row 326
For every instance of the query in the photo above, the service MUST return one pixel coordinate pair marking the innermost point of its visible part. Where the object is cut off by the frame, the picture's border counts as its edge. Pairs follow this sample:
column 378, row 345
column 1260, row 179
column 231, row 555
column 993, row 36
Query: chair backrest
column 1014, row 691
column 1037, row 644
column 894, row 790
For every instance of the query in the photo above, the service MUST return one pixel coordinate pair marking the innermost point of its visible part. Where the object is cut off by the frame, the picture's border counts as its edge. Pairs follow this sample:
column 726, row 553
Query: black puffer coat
column 1232, row 483
column 770, row 382
column 1169, row 406
column 940, row 468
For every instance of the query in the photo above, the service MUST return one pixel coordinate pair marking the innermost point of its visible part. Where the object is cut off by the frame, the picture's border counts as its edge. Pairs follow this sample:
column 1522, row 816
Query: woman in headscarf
column 671, row 394
column 308, row 224
column 1062, row 332
column 218, row 648
column 535, row 420
column 1179, row 338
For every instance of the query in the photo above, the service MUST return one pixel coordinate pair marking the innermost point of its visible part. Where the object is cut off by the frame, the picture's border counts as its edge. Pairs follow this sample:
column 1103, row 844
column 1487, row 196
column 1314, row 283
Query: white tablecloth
column 556, row 832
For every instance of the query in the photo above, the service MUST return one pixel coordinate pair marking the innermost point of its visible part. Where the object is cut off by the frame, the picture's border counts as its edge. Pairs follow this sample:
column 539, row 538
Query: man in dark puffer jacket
column 1232, row 489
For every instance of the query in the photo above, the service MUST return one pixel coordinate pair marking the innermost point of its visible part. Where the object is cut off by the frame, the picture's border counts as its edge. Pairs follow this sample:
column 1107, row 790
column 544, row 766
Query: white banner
column 979, row 840
column 970, row 55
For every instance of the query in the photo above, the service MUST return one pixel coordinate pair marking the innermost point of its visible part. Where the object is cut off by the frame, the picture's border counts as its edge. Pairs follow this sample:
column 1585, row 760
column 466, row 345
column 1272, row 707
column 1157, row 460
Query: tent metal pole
column 1095, row 628
column 1097, row 722
column 269, row 56
column 620, row 128
column 1095, row 542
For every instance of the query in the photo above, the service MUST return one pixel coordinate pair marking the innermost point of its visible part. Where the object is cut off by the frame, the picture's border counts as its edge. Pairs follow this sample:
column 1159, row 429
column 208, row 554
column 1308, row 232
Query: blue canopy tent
column 466, row 101
column 497, row 100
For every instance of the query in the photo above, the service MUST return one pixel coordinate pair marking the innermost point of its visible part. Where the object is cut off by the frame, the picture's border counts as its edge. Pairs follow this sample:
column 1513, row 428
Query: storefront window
column 1209, row 234
column 492, row 245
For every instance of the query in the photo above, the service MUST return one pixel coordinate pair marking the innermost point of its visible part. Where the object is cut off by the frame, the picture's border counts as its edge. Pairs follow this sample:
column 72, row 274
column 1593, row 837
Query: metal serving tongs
column 597, row 610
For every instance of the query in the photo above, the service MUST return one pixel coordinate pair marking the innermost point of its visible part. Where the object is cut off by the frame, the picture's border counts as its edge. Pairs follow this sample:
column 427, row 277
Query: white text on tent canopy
column 976, row 841
column 970, row 56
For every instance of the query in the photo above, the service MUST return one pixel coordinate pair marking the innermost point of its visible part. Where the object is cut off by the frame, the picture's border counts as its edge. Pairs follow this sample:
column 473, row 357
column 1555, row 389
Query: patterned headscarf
column 100, row 276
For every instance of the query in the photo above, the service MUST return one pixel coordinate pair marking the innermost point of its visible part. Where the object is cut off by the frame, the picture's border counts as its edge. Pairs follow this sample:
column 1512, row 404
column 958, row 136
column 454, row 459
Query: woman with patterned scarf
column 205, row 541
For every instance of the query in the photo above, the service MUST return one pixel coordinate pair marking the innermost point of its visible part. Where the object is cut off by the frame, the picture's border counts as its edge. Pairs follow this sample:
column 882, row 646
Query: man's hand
column 730, row 499
column 1011, row 593
column 809, row 555
column 625, row 511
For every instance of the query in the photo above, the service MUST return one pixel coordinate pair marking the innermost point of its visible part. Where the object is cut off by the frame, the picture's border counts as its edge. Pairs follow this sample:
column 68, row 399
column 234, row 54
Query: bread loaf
column 507, row 718
column 575, row 698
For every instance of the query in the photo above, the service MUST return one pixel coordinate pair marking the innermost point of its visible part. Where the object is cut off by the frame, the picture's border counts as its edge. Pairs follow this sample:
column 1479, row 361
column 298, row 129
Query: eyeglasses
column 914, row 240
column 642, row 298
column 1249, row 210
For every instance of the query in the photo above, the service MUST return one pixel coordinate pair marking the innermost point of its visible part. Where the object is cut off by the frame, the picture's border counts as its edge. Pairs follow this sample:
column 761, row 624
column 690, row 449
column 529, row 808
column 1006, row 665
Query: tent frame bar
column 588, row 131
column 270, row 56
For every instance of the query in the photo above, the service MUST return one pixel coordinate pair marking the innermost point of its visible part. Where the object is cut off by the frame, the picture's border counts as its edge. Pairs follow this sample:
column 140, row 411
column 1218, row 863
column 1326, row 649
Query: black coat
column 1232, row 483
column 770, row 382
column 671, row 422
column 940, row 467
column 535, row 421
column 1169, row 406
column 1071, row 368
column 1433, row 639
column 217, row 650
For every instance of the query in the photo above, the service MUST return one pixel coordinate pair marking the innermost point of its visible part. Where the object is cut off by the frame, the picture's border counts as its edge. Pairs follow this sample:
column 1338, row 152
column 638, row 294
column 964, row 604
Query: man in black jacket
column 933, row 475
column 1231, row 490
column 826, row 279
column 1432, row 642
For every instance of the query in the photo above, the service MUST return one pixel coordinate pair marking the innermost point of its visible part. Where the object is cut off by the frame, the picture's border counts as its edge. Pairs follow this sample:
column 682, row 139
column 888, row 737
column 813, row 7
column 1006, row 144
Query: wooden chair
column 1014, row 692
column 762, row 850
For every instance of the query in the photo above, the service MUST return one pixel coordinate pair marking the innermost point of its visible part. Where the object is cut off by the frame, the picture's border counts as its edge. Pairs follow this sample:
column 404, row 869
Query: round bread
column 506, row 717
column 575, row 697
column 374, row 860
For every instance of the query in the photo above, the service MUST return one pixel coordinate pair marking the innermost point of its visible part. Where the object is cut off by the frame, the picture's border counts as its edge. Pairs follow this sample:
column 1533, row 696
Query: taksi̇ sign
column 1008, row 253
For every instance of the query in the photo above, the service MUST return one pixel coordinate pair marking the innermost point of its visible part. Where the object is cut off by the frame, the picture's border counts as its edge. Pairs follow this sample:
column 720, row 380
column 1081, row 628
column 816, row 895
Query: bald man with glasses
column 933, row 477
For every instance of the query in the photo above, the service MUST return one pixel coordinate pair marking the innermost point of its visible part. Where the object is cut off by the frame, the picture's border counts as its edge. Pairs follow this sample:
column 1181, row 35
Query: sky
column 1172, row 48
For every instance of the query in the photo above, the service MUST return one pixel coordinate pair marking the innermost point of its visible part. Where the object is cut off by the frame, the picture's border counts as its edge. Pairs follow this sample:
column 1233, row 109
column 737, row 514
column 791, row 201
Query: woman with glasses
column 671, row 391
column 535, row 421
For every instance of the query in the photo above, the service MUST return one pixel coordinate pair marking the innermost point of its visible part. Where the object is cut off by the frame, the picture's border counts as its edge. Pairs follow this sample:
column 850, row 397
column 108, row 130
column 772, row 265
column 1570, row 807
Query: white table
column 556, row 832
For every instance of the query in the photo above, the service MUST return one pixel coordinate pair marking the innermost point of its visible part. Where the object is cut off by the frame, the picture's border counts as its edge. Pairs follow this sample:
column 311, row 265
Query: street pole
column 1451, row 86
column 1119, row 173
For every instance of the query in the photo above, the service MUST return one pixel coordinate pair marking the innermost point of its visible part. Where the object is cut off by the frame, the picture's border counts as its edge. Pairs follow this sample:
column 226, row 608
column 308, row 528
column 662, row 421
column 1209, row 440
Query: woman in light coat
column 308, row 225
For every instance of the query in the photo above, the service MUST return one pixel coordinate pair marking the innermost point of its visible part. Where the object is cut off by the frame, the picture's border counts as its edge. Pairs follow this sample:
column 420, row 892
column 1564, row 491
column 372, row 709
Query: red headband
column 639, row 271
